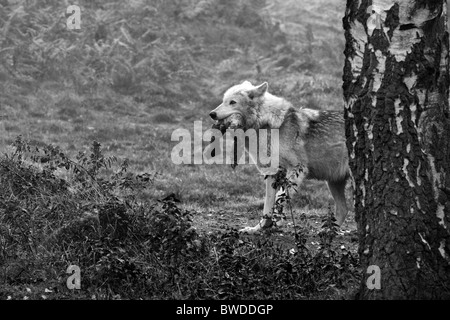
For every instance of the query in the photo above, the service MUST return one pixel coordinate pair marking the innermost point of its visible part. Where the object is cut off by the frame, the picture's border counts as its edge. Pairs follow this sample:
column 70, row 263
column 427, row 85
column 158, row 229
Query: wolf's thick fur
column 311, row 138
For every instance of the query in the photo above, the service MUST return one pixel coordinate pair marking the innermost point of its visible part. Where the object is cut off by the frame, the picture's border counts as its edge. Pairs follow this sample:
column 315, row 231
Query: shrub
column 56, row 212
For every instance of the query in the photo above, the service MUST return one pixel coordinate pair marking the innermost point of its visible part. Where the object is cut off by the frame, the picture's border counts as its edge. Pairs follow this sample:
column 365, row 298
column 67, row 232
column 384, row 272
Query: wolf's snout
column 213, row 115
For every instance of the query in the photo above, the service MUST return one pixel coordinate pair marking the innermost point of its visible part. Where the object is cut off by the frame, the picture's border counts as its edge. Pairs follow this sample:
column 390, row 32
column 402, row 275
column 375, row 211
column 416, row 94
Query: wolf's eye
column 232, row 102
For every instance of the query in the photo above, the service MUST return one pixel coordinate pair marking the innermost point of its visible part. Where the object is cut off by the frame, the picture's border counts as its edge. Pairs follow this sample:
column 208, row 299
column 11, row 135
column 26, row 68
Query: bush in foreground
column 89, row 211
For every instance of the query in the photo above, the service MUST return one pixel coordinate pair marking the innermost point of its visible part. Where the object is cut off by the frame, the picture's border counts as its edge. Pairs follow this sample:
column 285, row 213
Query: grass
column 131, row 101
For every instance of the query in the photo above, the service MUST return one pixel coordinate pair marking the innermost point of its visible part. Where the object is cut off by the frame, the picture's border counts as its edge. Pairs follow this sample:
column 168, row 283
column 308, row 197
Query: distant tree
column 396, row 82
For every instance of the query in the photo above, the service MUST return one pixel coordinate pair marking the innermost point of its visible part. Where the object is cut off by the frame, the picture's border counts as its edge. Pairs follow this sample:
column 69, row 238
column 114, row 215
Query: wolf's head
column 243, row 98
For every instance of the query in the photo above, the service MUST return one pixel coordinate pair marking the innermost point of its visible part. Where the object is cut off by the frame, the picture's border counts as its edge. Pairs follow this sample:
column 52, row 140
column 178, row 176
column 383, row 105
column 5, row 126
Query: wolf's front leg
column 269, row 201
column 337, row 189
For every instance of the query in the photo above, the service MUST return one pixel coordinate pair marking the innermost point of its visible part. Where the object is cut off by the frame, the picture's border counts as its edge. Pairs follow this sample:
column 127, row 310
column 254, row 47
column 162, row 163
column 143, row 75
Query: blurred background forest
column 139, row 69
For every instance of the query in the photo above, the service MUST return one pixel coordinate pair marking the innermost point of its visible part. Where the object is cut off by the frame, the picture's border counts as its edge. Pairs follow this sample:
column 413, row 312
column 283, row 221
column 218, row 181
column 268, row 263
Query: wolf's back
column 327, row 125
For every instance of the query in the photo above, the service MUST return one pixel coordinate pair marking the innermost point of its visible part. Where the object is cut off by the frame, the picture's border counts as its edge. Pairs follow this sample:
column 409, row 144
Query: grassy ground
column 132, row 106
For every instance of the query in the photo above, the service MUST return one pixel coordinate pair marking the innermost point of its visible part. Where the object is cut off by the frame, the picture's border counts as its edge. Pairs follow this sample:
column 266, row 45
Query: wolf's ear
column 259, row 91
column 246, row 83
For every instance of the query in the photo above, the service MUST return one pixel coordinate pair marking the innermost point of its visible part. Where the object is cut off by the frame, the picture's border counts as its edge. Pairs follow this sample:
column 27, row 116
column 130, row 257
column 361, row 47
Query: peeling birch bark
column 396, row 82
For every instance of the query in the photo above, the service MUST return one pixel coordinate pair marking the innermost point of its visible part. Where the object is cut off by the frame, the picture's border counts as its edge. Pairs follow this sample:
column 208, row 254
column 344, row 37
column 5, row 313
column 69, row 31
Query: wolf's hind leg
column 337, row 189
column 269, row 201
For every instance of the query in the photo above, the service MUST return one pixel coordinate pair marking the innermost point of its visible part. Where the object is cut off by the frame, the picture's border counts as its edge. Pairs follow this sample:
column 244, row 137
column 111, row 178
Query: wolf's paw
column 251, row 230
column 263, row 224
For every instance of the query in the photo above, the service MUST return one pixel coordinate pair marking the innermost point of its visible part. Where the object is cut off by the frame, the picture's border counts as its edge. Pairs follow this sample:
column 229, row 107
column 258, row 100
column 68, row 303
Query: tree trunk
column 396, row 80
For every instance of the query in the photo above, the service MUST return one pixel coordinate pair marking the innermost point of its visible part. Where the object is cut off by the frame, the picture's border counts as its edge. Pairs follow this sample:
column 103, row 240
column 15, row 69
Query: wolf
column 313, row 139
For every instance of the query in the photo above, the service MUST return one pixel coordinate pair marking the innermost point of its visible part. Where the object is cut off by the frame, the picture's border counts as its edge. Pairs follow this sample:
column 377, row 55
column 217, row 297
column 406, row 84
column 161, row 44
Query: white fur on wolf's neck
column 271, row 111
